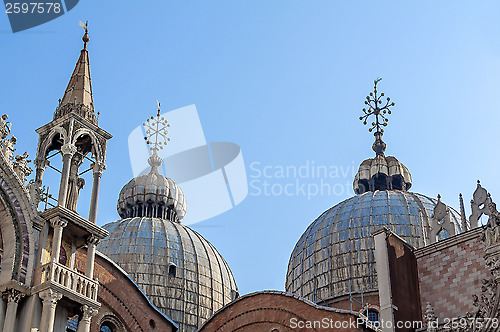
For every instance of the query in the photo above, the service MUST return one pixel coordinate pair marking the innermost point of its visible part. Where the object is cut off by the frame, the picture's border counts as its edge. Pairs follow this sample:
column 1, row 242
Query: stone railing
column 71, row 280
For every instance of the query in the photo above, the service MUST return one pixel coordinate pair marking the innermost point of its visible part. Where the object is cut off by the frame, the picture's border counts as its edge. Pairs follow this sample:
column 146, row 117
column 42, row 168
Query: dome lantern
column 152, row 194
column 381, row 172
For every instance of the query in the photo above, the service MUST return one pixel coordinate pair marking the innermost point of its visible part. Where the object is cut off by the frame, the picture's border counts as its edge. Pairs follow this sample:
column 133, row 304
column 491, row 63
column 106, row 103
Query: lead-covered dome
column 179, row 270
column 152, row 195
column 335, row 256
column 337, row 249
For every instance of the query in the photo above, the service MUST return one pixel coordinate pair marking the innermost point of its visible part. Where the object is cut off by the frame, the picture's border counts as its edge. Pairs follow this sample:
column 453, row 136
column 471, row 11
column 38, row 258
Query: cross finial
column 374, row 107
column 156, row 131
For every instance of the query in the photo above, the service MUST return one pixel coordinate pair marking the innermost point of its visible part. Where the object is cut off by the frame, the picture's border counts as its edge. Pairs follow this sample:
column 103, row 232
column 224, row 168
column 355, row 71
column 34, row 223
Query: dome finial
column 374, row 102
column 85, row 37
column 156, row 137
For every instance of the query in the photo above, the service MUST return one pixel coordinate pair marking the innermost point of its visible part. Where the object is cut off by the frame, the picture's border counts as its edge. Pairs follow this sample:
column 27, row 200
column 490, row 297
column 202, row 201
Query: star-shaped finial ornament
column 374, row 103
column 156, row 131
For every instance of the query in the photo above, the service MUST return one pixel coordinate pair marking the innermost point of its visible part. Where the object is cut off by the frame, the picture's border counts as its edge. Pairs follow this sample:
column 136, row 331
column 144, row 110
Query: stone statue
column 4, row 126
column 8, row 148
column 75, row 183
column 20, row 166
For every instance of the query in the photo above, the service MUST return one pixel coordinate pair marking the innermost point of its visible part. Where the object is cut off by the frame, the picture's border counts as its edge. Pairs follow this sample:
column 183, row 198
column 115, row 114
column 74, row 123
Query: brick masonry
column 122, row 302
column 450, row 273
column 276, row 311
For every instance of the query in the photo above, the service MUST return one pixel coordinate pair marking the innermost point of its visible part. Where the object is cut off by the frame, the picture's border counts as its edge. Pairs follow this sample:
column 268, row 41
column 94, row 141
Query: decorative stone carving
column 98, row 168
column 92, row 239
column 50, row 297
column 75, row 183
column 21, row 167
column 88, row 312
column 68, row 149
column 487, row 303
column 58, row 222
column 441, row 220
column 8, row 148
column 35, row 192
column 13, row 295
column 430, row 318
column 4, row 126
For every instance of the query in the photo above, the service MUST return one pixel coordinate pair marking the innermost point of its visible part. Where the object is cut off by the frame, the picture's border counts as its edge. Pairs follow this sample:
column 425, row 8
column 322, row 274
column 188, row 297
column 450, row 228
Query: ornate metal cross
column 156, row 131
column 374, row 103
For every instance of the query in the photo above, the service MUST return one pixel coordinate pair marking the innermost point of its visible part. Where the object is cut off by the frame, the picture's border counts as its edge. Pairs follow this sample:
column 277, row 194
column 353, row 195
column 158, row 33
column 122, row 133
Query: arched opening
column 107, row 327
column 172, row 270
column 443, row 234
column 373, row 316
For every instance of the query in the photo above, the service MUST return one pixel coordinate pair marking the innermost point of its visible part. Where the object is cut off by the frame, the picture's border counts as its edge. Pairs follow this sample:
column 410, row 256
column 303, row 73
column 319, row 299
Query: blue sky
column 286, row 81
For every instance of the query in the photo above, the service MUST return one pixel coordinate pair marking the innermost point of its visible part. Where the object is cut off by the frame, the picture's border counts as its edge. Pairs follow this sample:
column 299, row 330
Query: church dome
column 179, row 270
column 335, row 254
column 152, row 195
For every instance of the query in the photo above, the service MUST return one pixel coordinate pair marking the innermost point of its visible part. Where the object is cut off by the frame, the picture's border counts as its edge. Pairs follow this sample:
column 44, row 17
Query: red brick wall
column 450, row 272
column 121, row 300
column 276, row 311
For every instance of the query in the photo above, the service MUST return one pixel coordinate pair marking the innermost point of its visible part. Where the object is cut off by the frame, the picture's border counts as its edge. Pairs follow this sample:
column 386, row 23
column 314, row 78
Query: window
column 172, row 269
column 107, row 327
column 373, row 316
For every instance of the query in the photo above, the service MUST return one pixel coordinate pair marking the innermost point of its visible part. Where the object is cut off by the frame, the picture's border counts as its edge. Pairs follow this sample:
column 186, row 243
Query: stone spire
column 78, row 95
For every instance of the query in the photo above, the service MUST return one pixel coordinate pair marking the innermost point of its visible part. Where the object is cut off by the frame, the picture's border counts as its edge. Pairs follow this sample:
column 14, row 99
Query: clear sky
column 286, row 81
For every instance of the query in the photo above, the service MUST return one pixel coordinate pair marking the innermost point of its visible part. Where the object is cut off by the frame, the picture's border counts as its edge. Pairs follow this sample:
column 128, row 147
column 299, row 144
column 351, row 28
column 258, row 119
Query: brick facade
column 450, row 273
column 278, row 312
column 123, row 304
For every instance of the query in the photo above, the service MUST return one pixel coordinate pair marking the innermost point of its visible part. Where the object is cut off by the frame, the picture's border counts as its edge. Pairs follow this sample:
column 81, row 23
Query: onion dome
column 152, row 195
column 335, row 255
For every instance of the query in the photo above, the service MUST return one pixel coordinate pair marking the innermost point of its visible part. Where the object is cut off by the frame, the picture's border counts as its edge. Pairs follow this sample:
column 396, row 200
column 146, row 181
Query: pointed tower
column 74, row 135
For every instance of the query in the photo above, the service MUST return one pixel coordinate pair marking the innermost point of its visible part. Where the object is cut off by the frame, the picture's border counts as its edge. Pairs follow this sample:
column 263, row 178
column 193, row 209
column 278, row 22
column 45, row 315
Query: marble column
column 88, row 313
column 58, row 225
column 13, row 297
column 98, row 169
column 2, row 310
column 68, row 150
column 92, row 242
column 49, row 298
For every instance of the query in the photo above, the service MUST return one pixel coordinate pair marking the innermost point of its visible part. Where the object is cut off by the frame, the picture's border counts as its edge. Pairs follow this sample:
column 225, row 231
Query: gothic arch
column 17, row 214
column 95, row 142
column 48, row 139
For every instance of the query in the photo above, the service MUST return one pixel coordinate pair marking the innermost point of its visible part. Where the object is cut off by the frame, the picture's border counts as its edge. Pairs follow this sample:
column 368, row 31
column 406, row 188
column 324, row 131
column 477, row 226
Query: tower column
column 49, row 298
column 13, row 297
column 98, row 169
column 68, row 150
column 2, row 310
column 58, row 225
column 88, row 313
column 92, row 242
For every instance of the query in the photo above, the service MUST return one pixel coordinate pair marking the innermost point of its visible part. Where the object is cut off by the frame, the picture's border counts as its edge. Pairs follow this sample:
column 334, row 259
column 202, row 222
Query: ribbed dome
column 338, row 249
column 152, row 195
column 180, row 272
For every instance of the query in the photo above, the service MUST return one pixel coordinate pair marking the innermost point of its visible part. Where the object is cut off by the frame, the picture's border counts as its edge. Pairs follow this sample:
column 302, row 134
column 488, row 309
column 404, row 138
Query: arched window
column 373, row 316
column 107, row 327
column 172, row 270
column 443, row 234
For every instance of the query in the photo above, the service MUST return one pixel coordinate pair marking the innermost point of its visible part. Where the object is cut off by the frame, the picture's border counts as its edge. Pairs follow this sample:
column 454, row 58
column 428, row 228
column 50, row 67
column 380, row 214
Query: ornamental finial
column 156, row 137
column 374, row 104
column 85, row 37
